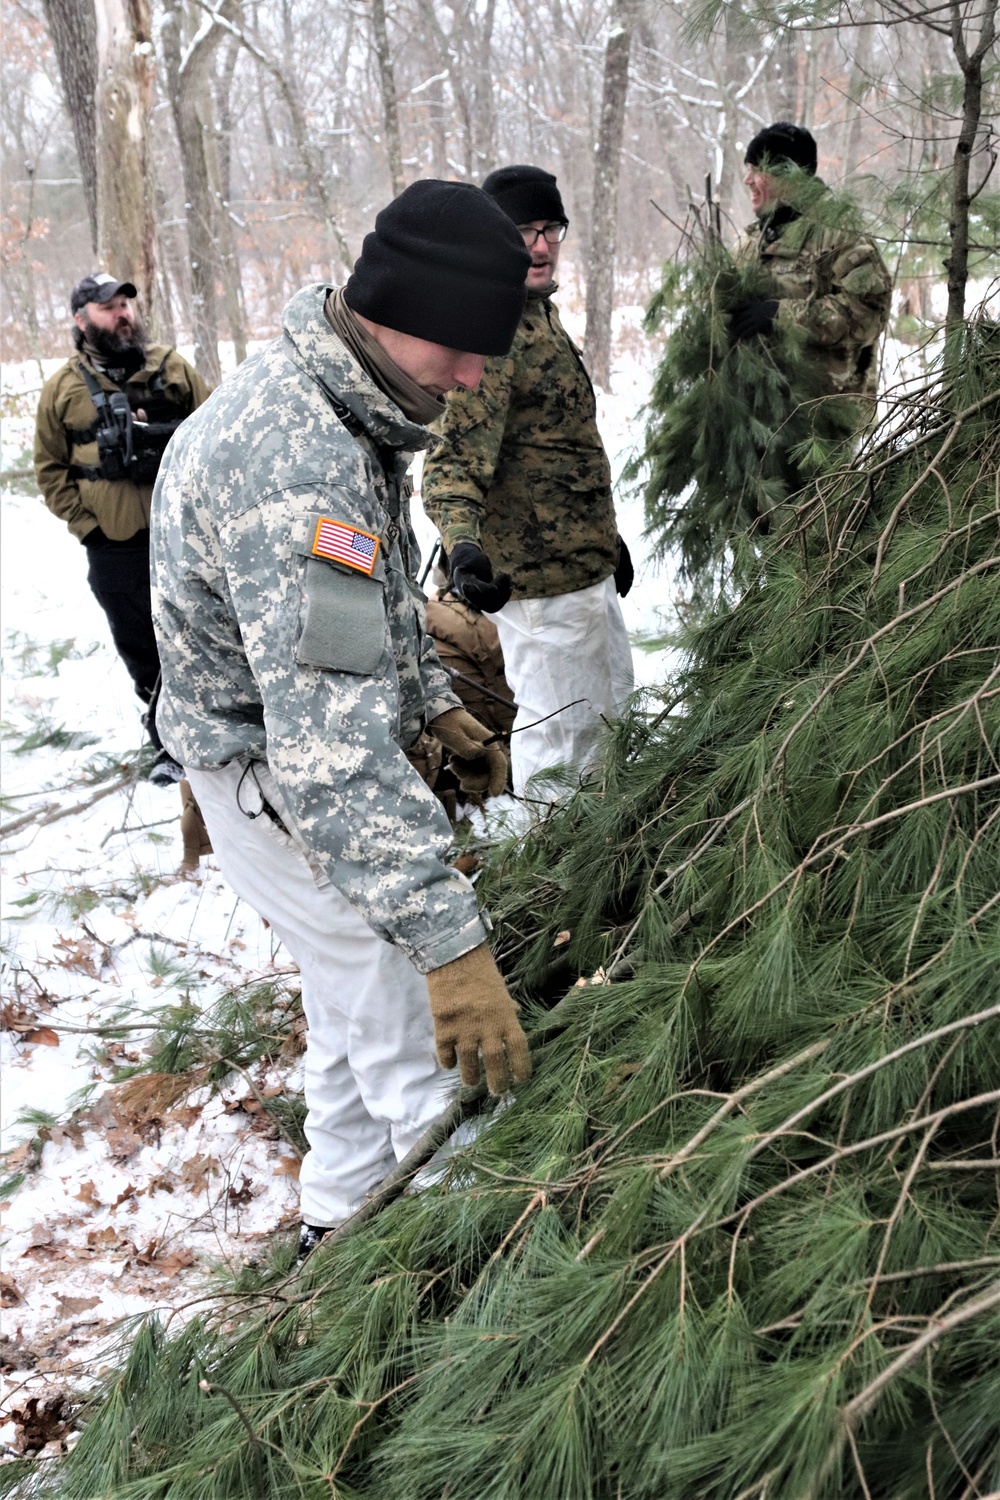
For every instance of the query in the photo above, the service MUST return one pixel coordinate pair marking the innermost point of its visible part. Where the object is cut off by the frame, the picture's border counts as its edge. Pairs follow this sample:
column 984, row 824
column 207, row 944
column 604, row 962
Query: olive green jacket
column 833, row 284
column 66, row 411
column 520, row 468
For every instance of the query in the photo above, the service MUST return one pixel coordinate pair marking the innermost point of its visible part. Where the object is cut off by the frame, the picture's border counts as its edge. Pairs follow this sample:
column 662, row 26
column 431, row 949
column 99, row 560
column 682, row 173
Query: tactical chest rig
column 126, row 448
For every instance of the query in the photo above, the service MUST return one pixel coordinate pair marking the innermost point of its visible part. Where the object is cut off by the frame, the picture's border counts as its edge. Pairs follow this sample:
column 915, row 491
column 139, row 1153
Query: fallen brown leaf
column 240, row 1196
column 169, row 1264
column 40, row 1421
column 288, row 1166
column 105, row 1237
column 10, row 1294
column 78, row 956
column 197, row 1170
column 88, row 1195
column 163, row 1182
column 123, row 1143
column 71, row 1306
column 42, row 1036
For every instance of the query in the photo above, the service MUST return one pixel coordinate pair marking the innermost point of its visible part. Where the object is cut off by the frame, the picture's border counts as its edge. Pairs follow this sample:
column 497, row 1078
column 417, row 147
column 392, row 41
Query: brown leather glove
column 478, row 766
column 473, row 1012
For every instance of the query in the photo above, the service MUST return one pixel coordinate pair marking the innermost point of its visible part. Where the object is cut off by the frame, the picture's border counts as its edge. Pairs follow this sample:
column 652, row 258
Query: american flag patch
column 345, row 544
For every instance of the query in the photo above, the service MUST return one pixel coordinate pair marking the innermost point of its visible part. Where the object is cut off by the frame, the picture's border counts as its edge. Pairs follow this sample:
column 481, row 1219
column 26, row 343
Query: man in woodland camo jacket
column 519, row 487
column 827, row 280
column 297, row 671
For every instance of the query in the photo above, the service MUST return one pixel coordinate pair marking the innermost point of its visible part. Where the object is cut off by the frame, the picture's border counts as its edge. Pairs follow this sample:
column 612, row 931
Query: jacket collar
column 324, row 358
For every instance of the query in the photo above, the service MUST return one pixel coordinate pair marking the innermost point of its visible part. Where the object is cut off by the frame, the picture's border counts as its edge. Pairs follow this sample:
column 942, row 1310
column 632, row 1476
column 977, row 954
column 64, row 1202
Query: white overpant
column 555, row 650
column 372, row 1081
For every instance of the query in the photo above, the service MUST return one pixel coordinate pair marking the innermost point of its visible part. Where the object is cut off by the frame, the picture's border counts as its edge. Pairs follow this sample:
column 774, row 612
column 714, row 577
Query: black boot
column 309, row 1237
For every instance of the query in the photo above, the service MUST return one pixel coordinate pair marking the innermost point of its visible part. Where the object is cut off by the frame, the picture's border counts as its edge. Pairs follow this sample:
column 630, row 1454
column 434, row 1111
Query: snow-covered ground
column 128, row 1200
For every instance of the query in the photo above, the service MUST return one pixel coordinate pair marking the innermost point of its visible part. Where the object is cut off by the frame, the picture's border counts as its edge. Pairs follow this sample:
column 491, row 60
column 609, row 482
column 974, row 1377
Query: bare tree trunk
column 185, row 75
column 125, row 63
column 387, row 87
column 219, row 161
column 857, row 89
column 73, row 28
column 484, row 115
column 971, row 64
column 604, row 213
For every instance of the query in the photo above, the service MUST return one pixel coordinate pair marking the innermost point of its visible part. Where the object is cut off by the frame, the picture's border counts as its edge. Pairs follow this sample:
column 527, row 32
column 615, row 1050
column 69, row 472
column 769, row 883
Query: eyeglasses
column 553, row 234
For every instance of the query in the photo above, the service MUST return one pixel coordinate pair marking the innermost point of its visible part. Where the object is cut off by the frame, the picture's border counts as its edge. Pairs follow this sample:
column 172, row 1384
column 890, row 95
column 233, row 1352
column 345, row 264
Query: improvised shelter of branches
column 738, row 1237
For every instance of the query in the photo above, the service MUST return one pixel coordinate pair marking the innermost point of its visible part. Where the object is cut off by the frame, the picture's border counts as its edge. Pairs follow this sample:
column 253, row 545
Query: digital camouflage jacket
column 520, row 468
column 289, row 631
column 63, row 441
column 832, row 283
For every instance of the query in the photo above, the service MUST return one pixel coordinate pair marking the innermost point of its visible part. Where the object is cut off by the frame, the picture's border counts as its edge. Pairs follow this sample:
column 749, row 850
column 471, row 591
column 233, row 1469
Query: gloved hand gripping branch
column 472, row 578
column 752, row 317
column 475, row 757
column 474, row 1014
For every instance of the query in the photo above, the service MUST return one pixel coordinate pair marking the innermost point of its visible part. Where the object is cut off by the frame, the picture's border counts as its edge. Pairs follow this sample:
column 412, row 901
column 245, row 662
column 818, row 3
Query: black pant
column 118, row 574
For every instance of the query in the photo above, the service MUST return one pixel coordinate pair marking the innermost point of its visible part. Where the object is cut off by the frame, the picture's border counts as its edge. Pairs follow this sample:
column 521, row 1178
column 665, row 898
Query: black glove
column 749, row 318
column 96, row 538
column 624, row 571
column 472, row 578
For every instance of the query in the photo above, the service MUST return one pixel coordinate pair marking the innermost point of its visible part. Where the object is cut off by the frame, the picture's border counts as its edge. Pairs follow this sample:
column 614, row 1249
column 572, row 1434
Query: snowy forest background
column 235, row 154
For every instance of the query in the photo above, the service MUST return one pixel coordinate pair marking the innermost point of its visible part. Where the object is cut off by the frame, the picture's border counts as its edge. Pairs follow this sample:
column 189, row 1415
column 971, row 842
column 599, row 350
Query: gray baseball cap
column 99, row 288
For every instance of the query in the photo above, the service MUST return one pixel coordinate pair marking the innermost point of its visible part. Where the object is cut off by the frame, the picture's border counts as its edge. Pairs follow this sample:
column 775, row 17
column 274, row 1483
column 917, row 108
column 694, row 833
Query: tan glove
column 473, row 1012
column 478, row 766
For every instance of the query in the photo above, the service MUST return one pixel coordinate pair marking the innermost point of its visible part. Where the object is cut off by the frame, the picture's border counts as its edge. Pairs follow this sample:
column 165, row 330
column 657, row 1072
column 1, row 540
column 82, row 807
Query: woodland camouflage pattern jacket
column 520, row 467
column 271, row 652
column 834, row 284
column 66, row 413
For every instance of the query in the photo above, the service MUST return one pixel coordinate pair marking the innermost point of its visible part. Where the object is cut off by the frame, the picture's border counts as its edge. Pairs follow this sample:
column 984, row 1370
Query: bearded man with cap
column 103, row 422
column 829, row 281
column 519, row 486
column 296, row 672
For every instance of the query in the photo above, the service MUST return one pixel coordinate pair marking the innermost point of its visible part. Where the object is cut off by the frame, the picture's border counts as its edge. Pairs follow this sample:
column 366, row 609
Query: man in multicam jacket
column 519, row 487
column 296, row 671
column 829, row 281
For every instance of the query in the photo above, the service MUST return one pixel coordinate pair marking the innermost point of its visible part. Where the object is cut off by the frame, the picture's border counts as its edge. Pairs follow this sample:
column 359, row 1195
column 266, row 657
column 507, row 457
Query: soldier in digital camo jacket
column 827, row 280
column 519, row 483
column 296, row 671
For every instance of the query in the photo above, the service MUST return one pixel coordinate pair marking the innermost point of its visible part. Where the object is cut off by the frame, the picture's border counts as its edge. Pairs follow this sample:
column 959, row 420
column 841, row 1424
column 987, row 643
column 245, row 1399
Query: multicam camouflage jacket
column 520, row 467
column 65, row 440
column 832, row 283
column 289, row 631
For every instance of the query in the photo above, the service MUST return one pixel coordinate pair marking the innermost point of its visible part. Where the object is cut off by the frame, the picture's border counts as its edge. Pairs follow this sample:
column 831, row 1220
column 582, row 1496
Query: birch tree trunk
column 125, row 223
column 73, row 27
column 604, row 211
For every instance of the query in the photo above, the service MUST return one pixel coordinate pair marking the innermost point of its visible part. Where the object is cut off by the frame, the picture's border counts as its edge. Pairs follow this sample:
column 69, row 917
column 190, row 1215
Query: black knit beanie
column 782, row 142
column 525, row 193
column 443, row 264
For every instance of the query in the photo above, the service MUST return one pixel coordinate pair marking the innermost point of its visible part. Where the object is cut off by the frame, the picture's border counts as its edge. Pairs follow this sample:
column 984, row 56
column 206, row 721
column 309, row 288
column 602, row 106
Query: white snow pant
column 372, row 1081
column 555, row 650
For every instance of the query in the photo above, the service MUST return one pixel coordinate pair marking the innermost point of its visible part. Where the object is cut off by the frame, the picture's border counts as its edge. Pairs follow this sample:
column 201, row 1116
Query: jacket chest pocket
column 342, row 614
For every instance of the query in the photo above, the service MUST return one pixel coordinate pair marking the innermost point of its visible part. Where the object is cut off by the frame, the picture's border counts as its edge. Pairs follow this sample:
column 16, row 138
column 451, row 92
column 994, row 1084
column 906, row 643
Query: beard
column 116, row 349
